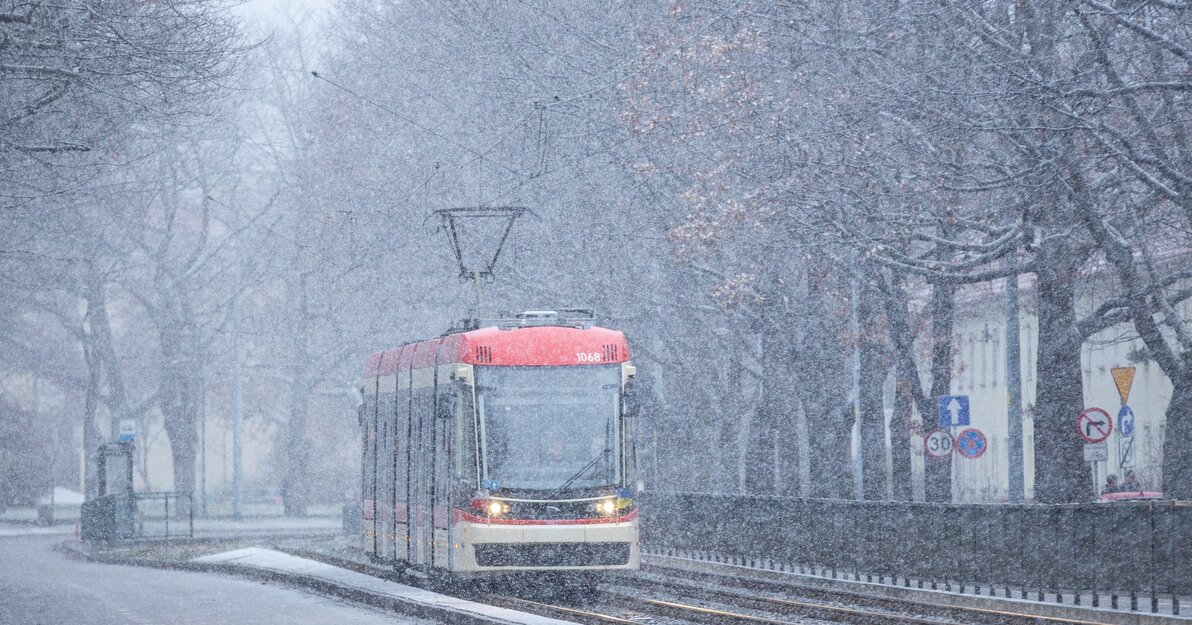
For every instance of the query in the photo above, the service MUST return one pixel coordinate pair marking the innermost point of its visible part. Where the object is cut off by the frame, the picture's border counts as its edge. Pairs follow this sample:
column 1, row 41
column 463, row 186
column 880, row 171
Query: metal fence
column 165, row 515
column 1112, row 550
column 127, row 516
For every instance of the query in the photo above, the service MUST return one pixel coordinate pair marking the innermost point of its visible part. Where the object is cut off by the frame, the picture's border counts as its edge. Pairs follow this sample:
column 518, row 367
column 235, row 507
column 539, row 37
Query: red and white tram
column 501, row 448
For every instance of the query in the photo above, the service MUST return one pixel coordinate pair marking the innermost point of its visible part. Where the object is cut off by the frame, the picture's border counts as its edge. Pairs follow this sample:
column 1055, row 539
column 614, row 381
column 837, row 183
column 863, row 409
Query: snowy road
column 39, row 585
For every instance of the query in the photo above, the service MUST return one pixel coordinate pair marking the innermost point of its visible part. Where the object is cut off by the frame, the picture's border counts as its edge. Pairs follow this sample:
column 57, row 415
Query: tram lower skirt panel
column 552, row 554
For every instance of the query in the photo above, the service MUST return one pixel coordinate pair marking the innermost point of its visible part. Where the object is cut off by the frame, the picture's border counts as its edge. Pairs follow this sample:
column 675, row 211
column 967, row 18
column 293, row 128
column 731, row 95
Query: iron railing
column 1096, row 550
column 128, row 516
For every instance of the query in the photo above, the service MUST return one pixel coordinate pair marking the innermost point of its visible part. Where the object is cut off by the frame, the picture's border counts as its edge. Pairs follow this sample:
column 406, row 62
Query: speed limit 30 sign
column 938, row 444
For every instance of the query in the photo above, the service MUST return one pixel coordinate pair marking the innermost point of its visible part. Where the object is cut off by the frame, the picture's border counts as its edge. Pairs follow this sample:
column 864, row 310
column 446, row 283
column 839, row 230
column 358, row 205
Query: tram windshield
column 550, row 428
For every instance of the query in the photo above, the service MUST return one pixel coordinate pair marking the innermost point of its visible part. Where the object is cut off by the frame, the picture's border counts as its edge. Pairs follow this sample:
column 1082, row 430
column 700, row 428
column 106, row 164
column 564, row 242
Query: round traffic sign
column 1094, row 425
column 938, row 444
column 971, row 443
column 1126, row 421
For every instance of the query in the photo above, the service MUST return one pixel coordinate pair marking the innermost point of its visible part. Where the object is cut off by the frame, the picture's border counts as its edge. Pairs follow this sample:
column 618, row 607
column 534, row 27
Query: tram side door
column 422, row 448
column 444, row 425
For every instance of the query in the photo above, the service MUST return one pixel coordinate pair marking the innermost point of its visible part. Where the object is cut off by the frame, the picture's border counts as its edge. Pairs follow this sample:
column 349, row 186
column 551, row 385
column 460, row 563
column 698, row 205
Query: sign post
column 1123, row 379
column 1094, row 425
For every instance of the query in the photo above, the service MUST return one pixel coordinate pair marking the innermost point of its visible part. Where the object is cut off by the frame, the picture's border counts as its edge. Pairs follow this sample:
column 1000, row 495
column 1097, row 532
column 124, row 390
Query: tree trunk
column 937, row 473
column 91, row 435
column 1061, row 475
column 823, row 389
column 760, row 454
column 295, row 470
column 773, row 452
column 900, row 437
column 179, row 412
column 730, row 430
column 180, row 387
column 1177, row 461
column 294, row 486
column 908, row 389
column 105, row 348
column 871, row 412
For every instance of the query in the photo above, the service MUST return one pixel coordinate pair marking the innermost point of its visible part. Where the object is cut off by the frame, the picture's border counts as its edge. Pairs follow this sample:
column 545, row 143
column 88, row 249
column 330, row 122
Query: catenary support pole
column 237, row 391
column 855, row 327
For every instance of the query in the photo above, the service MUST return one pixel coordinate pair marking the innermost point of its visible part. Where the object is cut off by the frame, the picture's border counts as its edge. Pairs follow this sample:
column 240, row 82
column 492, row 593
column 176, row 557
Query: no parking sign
column 971, row 443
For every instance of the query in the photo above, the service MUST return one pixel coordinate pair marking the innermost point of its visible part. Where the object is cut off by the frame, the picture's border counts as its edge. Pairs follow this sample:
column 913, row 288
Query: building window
column 997, row 353
column 1029, row 352
column 972, row 343
column 984, row 358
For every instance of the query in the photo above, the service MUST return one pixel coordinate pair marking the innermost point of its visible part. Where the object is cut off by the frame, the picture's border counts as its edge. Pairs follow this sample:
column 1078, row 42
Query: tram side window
column 464, row 446
column 445, row 413
column 401, row 446
column 370, row 447
column 423, row 418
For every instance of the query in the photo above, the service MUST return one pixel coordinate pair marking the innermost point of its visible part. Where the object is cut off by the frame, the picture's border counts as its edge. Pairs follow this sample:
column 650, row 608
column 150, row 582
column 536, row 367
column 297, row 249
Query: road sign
column 1123, row 378
column 1125, row 421
column 127, row 431
column 1094, row 425
column 938, row 444
column 1126, row 452
column 970, row 443
column 954, row 410
column 1096, row 452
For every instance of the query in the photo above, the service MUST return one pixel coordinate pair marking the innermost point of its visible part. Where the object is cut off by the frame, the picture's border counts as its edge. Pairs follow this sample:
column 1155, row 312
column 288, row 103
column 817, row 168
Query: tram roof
column 529, row 346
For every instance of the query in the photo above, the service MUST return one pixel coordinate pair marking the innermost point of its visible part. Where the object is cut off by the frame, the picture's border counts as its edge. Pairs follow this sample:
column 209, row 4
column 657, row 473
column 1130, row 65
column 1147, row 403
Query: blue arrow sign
column 954, row 410
column 1126, row 421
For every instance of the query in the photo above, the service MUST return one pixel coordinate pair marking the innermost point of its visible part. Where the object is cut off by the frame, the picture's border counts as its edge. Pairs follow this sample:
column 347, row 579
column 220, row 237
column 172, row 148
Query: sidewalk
column 326, row 579
column 203, row 528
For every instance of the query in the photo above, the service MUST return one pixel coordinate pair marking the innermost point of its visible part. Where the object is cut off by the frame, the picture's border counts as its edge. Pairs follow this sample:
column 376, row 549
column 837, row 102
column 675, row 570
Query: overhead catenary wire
column 483, row 156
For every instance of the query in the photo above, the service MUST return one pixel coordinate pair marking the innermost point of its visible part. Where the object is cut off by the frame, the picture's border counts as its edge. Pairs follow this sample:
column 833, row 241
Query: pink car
column 1133, row 495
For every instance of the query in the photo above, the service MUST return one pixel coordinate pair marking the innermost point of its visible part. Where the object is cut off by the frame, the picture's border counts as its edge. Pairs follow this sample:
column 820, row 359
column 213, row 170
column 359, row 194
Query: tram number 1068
column 588, row 357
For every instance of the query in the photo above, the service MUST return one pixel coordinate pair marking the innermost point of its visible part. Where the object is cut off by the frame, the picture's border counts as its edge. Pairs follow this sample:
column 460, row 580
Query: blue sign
column 971, row 443
column 954, row 410
column 1126, row 421
column 127, row 431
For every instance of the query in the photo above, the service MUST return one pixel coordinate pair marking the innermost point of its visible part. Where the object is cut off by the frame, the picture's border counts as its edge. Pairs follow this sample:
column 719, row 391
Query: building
column 979, row 371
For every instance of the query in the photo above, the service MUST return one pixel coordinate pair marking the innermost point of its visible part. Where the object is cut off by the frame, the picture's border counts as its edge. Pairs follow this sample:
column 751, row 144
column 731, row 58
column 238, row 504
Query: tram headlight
column 489, row 507
column 607, row 507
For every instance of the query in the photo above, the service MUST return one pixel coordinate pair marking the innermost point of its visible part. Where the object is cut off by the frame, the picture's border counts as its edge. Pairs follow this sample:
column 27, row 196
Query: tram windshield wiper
column 591, row 463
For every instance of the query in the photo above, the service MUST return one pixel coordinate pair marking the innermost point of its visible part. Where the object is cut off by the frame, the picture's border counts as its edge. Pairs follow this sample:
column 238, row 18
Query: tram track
column 834, row 605
column 666, row 596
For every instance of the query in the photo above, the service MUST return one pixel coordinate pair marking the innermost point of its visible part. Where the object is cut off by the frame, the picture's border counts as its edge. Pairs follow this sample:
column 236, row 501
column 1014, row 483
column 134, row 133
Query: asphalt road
column 41, row 585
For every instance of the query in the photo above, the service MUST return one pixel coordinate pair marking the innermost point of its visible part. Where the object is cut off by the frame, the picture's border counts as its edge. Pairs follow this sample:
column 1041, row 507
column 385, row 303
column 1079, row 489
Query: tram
column 504, row 446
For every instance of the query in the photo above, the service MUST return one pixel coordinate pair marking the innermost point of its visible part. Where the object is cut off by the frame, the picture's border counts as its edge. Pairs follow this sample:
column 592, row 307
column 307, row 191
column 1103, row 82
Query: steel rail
column 779, row 608
column 814, row 596
column 550, row 607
